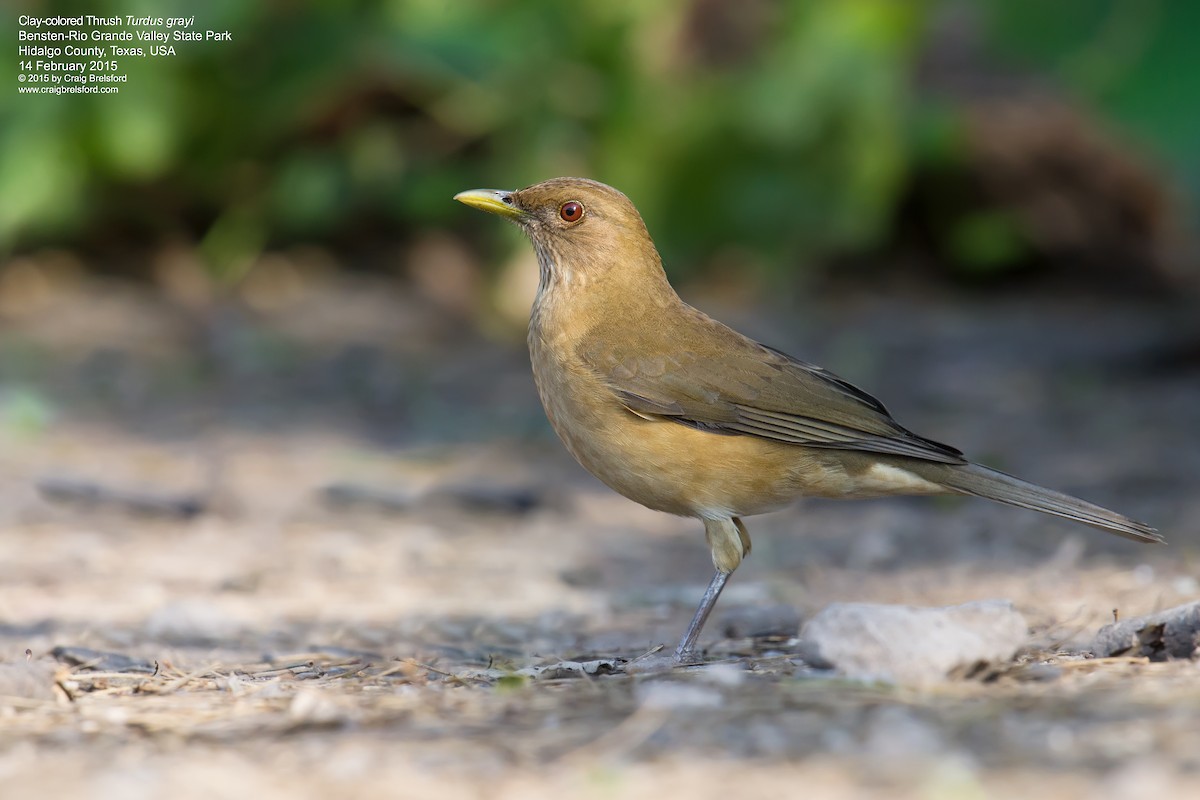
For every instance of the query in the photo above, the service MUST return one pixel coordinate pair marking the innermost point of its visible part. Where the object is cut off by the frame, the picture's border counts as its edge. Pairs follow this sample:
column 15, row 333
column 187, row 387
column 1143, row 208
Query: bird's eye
column 571, row 211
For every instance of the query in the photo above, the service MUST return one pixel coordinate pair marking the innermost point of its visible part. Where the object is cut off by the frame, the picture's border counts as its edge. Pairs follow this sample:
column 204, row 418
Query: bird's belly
column 671, row 467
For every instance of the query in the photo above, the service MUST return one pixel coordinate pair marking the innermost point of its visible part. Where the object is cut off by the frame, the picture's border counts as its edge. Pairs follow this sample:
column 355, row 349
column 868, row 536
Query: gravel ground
column 301, row 565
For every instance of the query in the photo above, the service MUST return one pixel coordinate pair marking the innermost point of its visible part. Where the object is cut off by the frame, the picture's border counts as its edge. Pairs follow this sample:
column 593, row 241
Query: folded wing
column 741, row 387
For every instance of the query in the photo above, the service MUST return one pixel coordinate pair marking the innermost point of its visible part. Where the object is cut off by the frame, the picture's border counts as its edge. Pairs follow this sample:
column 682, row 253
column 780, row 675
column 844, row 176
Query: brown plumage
column 682, row 414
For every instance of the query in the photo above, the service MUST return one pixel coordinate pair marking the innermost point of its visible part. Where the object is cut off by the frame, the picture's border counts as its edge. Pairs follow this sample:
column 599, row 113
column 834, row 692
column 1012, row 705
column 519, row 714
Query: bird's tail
column 992, row 484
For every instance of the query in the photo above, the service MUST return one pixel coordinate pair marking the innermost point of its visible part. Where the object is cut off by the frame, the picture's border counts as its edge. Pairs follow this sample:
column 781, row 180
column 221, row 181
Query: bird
column 682, row 414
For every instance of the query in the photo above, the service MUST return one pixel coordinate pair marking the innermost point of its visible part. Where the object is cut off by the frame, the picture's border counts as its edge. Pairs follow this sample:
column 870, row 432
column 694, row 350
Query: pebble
column 911, row 645
column 1161, row 636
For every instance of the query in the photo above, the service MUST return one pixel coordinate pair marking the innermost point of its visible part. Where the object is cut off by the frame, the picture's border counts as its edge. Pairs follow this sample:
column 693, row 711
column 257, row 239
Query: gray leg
column 686, row 650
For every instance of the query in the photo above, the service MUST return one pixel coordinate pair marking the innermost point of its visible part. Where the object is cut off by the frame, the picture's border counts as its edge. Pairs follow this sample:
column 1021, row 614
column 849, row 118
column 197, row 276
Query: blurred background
column 272, row 215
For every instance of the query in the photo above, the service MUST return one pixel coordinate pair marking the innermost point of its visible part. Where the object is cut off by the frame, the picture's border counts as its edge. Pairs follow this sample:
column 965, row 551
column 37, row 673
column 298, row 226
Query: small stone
column 911, row 645
column 32, row 680
column 101, row 661
column 1164, row 635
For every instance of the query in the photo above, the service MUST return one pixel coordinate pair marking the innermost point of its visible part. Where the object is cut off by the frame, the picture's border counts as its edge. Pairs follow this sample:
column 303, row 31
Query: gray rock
column 1164, row 635
column 29, row 680
column 102, row 661
column 911, row 645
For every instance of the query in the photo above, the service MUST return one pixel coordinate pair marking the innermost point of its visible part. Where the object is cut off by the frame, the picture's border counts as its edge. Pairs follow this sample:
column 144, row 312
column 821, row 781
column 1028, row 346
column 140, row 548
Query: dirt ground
column 314, row 549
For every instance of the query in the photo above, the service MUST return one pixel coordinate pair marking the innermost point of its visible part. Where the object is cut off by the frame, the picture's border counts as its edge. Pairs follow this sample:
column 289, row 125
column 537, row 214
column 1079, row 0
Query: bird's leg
column 729, row 542
column 686, row 653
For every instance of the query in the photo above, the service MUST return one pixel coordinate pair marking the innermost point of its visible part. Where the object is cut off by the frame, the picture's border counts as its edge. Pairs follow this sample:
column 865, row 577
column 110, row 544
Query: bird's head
column 582, row 230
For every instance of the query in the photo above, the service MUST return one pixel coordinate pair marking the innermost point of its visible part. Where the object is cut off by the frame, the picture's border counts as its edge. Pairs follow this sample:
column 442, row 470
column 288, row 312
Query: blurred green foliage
column 782, row 129
column 24, row 411
column 1135, row 60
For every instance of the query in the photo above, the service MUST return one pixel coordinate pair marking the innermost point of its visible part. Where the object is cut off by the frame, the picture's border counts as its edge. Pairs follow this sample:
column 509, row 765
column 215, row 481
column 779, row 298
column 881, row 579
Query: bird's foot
column 657, row 661
column 687, row 658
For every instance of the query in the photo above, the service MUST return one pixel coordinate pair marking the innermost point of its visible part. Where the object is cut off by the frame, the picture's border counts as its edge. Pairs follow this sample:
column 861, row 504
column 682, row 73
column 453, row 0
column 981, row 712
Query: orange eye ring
column 571, row 211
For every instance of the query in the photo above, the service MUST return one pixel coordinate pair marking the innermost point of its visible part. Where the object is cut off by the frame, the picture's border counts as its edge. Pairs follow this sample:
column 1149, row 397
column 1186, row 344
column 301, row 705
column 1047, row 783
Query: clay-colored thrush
column 682, row 414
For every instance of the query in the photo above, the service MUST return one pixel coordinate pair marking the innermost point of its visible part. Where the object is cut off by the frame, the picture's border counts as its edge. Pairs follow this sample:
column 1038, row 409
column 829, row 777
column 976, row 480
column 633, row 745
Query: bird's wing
column 754, row 390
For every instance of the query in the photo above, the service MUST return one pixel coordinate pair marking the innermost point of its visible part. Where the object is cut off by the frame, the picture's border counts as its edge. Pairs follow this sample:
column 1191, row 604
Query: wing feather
column 754, row 390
